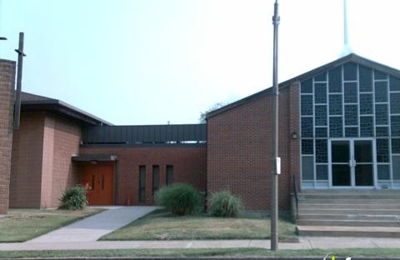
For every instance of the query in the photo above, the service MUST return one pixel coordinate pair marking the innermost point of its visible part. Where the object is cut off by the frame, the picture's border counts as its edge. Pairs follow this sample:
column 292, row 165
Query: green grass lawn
column 237, row 253
column 161, row 225
column 23, row 224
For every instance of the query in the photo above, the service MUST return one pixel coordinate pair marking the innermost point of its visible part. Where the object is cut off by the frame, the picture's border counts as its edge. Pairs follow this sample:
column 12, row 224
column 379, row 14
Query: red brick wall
column 27, row 157
column 239, row 150
column 67, row 136
column 189, row 167
column 41, row 165
column 7, row 81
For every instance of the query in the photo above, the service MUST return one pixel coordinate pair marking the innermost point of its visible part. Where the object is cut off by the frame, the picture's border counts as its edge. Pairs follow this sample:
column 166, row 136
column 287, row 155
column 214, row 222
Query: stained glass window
column 381, row 92
column 350, row 71
column 382, row 131
column 396, row 146
column 307, row 86
column 335, row 127
column 380, row 75
column 365, row 79
column 351, row 132
column 320, row 115
column 335, row 105
column 382, row 150
column 366, row 126
column 320, row 93
column 307, row 146
column 306, row 105
column 394, row 84
column 350, row 92
column 320, row 77
column 335, row 80
column 321, row 151
column 321, row 132
column 366, row 104
column 395, row 103
column 381, row 114
column 395, row 125
column 307, row 126
column 351, row 115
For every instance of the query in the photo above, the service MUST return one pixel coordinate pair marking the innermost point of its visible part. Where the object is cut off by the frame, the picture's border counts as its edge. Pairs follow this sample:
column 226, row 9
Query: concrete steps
column 335, row 231
column 349, row 213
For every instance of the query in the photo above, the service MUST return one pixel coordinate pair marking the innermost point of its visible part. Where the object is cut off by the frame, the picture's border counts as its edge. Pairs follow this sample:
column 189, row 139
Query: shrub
column 180, row 199
column 225, row 204
column 74, row 198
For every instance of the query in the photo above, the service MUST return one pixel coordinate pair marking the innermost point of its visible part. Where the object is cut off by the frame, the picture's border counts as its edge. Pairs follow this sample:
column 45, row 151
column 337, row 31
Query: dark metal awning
column 94, row 158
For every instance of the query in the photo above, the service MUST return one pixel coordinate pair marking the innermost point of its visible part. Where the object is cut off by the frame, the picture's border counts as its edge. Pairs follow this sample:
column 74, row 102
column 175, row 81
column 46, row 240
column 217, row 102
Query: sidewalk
column 305, row 243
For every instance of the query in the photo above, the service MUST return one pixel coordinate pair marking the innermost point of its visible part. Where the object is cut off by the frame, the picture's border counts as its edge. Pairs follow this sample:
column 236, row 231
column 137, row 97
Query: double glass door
column 352, row 163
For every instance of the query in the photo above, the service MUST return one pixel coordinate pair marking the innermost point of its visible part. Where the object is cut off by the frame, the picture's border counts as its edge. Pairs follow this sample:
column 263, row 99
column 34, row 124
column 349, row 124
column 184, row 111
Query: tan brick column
column 7, row 81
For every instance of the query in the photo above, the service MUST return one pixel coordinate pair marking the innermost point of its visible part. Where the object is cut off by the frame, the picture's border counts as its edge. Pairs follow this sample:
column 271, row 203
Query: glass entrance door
column 363, row 163
column 352, row 163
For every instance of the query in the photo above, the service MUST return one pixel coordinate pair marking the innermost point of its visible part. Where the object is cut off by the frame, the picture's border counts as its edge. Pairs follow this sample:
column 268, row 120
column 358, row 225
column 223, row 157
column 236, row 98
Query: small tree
column 181, row 199
column 203, row 115
column 74, row 198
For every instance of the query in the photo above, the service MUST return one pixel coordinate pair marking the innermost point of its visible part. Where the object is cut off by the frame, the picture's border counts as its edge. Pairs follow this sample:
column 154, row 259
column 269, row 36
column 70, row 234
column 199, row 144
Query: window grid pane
column 382, row 150
column 307, row 126
column 365, row 79
column 321, row 150
column 335, row 105
column 381, row 92
column 366, row 104
column 350, row 92
column 381, row 114
column 351, row 115
column 306, row 105
column 320, row 93
column 321, row 115
column 307, row 146
column 335, row 127
column 366, row 126
column 335, row 80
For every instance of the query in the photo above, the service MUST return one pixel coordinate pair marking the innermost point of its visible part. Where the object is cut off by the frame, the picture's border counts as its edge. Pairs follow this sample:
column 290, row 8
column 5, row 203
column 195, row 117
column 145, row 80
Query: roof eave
column 351, row 57
column 64, row 108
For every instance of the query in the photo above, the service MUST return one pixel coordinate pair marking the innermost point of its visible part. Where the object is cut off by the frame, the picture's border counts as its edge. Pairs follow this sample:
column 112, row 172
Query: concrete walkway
column 92, row 228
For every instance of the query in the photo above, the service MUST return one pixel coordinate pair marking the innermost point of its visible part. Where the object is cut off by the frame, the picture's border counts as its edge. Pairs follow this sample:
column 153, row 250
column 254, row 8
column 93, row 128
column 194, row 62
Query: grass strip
column 20, row 225
column 239, row 252
column 161, row 225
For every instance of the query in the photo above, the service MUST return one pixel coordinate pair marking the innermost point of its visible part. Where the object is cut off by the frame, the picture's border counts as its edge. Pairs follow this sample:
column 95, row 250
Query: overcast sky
column 159, row 61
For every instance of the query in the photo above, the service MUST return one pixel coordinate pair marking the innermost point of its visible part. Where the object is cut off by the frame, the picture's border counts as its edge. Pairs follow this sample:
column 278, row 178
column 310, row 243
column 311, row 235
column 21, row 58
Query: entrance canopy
column 94, row 158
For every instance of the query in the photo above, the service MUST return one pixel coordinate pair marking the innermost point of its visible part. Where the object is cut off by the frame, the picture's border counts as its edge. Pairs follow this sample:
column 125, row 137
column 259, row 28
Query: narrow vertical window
column 142, row 183
column 170, row 175
column 156, row 178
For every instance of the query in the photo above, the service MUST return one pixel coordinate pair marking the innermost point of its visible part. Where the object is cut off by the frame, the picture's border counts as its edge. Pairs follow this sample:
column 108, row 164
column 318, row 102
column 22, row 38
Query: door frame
column 352, row 171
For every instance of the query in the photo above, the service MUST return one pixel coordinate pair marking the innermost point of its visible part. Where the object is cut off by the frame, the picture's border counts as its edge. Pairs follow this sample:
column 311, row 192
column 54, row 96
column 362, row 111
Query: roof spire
column 346, row 47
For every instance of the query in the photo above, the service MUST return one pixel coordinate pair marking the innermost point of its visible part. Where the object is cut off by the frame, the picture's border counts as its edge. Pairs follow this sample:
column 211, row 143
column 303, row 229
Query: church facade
column 339, row 129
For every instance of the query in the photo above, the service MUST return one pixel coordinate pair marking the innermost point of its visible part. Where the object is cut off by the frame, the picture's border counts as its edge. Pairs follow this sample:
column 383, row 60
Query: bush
column 74, row 198
column 180, row 199
column 225, row 204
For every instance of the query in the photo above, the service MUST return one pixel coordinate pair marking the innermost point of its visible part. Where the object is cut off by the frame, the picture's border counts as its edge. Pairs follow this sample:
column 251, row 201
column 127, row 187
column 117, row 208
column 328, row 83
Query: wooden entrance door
column 99, row 180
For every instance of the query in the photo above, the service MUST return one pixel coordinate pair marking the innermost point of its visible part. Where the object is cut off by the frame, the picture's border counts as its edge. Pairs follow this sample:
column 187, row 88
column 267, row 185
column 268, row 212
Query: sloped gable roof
column 349, row 58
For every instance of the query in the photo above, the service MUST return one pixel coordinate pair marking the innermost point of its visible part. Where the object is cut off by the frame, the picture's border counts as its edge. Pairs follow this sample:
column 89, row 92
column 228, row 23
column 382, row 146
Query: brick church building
column 339, row 130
